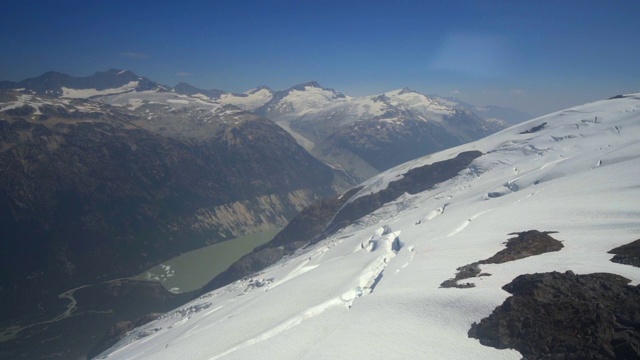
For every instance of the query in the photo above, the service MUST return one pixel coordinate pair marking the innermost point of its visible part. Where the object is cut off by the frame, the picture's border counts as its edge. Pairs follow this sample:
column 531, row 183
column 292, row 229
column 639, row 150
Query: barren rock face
column 525, row 244
column 628, row 254
column 566, row 316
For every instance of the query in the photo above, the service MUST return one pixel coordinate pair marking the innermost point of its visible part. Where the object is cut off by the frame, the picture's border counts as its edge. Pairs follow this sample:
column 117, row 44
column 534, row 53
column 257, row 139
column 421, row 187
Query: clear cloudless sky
column 537, row 55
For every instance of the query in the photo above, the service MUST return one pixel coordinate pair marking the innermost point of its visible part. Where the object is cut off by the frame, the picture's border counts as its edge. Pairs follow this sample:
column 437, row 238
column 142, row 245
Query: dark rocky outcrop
column 413, row 181
column 566, row 316
column 464, row 272
column 617, row 97
column 628, row 254
column 525, row 244
column 534, row 129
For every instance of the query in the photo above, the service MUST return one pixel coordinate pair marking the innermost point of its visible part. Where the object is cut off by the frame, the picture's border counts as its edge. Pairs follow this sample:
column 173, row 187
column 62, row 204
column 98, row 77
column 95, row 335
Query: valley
column 85, row 313
column 192, row 270
column 125, row 199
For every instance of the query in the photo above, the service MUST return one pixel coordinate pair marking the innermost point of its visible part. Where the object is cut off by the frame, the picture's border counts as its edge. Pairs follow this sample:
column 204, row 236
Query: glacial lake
column 192, row 270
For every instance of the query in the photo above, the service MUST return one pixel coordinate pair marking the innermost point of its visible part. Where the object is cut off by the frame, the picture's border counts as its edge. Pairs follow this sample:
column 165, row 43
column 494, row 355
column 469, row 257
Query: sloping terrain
column 371, row 287
column 96, row 190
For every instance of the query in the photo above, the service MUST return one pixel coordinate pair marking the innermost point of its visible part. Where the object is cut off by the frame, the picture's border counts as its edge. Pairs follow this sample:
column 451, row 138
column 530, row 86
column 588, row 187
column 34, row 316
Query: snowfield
column 372, row 290
column 250, row 100
column 87, row 93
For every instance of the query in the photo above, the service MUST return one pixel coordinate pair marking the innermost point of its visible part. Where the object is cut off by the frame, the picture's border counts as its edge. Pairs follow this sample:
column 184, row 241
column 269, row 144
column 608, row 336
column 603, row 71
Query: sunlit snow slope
column 372, row 290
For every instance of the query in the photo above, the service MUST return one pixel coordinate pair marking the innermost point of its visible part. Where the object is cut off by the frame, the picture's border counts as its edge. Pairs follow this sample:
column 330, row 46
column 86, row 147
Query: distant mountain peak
column 188, row 89
column 381, row 98
column 255, row 90
column 303, row 86
column 118, row 72
column 406, row 90
column 183, row 86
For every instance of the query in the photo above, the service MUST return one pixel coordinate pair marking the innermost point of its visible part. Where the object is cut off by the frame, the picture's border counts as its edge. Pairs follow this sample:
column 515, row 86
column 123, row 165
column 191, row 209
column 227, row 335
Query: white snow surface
column 134, row 100
column 311, row 99
column 250, row 100
column 37, row 103
column 317, row 104
column 87, row 93
column 372, row 290
column 420, row 102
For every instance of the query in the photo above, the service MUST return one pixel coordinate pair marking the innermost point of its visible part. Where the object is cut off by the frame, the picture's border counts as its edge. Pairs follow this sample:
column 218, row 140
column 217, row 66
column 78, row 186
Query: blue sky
column 538, row 56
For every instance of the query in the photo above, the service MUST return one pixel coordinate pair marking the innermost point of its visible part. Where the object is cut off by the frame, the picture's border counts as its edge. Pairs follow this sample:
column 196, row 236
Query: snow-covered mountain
column 417, row 256
column 186, row 89
column 101, row 83
column 365, row 135
column 300, row 100
column 249, row 100
column 357, row 137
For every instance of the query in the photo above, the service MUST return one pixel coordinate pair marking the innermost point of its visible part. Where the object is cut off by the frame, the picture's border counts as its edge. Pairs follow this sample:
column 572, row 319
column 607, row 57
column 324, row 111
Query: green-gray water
column 192, row 270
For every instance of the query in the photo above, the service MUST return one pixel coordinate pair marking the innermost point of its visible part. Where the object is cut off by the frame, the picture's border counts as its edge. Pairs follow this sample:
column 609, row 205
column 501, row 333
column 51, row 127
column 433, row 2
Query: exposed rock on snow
column 628, row 254
column 566, row 316
column 413, row 181
column 534, row 129
column 525, row 244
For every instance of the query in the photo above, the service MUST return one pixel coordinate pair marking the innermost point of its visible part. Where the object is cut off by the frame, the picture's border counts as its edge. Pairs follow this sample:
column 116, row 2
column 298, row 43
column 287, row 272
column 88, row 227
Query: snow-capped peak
column 250, row 100
column 258, row 89
column 304, row 86
column 405, row 90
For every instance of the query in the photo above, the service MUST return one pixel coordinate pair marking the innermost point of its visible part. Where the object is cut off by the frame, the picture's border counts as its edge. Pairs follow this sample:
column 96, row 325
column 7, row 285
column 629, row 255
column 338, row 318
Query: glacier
column 372, row 289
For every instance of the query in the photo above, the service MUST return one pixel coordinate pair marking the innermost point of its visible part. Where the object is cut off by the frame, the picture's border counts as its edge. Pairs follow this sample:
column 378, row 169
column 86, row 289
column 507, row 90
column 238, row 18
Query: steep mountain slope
column 363, row 136
column 372, row 288
column 95, row 190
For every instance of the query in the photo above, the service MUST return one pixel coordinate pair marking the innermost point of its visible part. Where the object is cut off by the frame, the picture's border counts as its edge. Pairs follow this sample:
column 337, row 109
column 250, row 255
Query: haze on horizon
column 537, row 56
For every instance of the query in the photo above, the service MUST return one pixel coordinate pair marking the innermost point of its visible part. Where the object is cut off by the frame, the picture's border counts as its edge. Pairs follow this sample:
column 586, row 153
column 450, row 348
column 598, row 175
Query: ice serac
column 576, row 176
